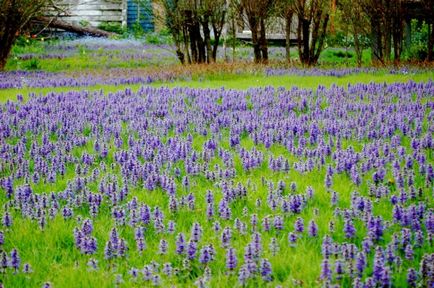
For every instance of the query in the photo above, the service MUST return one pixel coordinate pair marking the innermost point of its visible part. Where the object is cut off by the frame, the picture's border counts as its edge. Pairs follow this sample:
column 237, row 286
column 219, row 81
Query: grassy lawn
column 333, row 158
column 238, row 82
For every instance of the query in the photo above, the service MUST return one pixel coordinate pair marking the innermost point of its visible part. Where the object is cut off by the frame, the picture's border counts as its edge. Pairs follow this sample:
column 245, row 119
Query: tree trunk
column 397, row 31
column 299, row 40
column 255, row 39
column 191, row 35
column 207, row 39
column 387, row 32
column 214, row 48
column 193, row 47
column 56, row 23
column 288, row 36
column 306, row 38
column 256, row 47
column 397, row 44
column 407, row 34
column 234, row 35
column 263, row 42
column 200, row 44
column 320, row 40
column 186, row 51
column 430, row 41
column 7, row 41
column 217, row 27
column 357, row 48
column 377, row 47
column 179, row 53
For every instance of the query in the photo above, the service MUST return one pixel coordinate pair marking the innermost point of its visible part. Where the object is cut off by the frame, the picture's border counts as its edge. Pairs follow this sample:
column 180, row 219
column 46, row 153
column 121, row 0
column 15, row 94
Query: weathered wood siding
column 95, row 11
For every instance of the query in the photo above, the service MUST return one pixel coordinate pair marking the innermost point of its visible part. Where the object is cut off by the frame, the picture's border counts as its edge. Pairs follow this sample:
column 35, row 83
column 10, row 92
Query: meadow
column 138, row 172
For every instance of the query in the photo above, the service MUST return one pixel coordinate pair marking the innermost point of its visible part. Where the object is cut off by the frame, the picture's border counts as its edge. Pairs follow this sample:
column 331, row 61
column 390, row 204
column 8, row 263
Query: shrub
column 32, row 64
column 111, row 27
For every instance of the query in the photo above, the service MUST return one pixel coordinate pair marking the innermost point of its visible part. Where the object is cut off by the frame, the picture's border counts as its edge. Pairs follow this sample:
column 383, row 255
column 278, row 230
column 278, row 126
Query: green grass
column 238, row 82
column 55, row 258
column 243, row 82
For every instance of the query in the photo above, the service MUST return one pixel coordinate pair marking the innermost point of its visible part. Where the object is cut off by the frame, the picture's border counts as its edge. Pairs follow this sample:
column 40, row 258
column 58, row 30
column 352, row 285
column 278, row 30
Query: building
column 97, row 12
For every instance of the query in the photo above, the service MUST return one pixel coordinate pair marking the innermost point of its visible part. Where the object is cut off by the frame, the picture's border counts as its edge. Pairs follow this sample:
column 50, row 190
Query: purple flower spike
column 231, row 259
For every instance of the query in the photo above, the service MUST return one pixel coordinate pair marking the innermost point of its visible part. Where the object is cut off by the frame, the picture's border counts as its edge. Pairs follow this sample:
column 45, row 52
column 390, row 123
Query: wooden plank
column 96, row 13
column 98, row 7
column 93, row 18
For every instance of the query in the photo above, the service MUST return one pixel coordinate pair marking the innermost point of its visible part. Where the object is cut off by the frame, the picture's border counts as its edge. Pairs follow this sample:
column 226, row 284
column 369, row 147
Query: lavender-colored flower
column 114, row 238
column 156, row 280
column 27, row 268
column 87, row 227
column 299, row 225
column 196, row 232
column 7, row 220
column 257, row 244
column 292, row 239
column 378, row 265
column 180, row 244
column 109, row 251
column 140, row 244
column 265, row 269
column 327, row 246
column 15, row 260
column 326, row 272
column 231, row 259
column 123, row 248
column 243, row 275
column 361, row 262
column 278, row 222
column 92, row 264
column 274, row 246
column 167, row 269
column 349, row 229
column 408, row 252
column 163, row 246
column 89, row 245
column 191, row 249
column 334, row 199
column 4, row 261
column 266, row 224
column 205, row 255
column 339, row 269
column 386, row 278
column 226, row 237
column 412, row 277
column 312, row 229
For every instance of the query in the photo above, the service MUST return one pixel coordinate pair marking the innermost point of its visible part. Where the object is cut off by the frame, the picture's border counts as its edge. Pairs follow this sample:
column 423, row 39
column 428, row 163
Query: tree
column 354, row 18
column 14, row 16
column 428, row 7
column 313, row 17
column 285, row 10
column 190, row 23
column 256, row 13
column 385, row 17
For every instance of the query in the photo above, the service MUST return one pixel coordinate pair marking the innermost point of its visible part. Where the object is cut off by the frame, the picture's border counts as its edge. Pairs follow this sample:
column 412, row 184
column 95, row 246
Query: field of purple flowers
column 218, row 187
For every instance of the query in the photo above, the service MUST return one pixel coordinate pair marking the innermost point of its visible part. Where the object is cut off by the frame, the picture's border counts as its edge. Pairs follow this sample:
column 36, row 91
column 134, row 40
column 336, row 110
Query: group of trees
column 381, row 21
column 384, row 21
column 197, row 25
column 191, row 23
